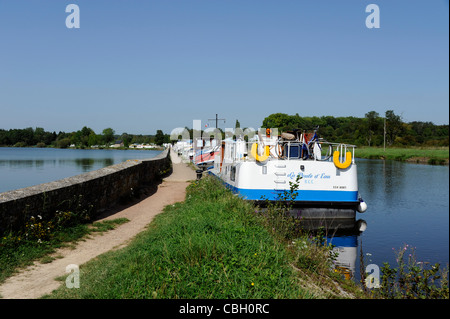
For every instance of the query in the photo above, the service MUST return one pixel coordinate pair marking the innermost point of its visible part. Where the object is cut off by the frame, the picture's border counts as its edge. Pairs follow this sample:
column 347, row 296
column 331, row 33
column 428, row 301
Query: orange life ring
column 347, row 162
column 260, row 158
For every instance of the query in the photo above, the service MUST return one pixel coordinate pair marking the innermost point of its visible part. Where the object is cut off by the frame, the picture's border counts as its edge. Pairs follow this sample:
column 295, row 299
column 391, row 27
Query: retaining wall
column 93, row 191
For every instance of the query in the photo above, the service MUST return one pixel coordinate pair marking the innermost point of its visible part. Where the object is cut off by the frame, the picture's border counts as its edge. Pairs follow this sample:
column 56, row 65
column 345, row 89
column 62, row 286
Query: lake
column 23, row 167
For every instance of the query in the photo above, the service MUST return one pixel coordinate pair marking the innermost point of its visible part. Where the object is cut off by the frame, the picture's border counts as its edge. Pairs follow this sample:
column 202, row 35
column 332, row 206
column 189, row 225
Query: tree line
column 371, row 130
column 84, row 138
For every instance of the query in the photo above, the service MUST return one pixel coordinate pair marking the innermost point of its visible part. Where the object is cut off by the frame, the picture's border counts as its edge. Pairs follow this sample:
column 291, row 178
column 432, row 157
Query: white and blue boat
column 321, row 177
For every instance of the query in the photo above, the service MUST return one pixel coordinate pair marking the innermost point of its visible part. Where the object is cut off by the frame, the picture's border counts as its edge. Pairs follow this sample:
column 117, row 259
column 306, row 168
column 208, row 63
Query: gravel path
column 39, row 279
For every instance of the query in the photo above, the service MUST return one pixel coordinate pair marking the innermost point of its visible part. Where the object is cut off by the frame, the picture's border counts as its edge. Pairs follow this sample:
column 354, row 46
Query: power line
column 217, row 119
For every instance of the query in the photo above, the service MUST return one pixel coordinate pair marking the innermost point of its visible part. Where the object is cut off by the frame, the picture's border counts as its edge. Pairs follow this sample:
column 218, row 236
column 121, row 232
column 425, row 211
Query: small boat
column 318, row 178
column 204, row 153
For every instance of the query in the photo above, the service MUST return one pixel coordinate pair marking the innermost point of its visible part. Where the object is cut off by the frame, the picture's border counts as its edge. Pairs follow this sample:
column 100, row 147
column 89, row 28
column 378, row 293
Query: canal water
column 23, row 167
column 408, row 204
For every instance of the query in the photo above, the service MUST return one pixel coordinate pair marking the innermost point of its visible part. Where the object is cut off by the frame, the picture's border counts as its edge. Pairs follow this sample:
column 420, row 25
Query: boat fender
column 362, row 207
column 260, row 158
column 347, row 162
column 361, row 225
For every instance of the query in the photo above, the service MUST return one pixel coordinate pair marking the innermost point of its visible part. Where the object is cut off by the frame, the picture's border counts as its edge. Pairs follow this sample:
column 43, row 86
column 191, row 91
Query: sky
column 138, row 66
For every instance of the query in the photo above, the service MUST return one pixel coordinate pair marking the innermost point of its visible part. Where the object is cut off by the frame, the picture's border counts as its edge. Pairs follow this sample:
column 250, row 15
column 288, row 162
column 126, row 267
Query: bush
column 412, row 279
column 63, row 143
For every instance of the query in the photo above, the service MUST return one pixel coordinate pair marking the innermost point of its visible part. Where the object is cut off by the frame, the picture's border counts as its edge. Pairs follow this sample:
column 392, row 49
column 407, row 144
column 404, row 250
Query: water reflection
column 409, row 204
column 388, row 178
column 343, row 235
column 87, row 164
column 84, row 164
column 23, row 167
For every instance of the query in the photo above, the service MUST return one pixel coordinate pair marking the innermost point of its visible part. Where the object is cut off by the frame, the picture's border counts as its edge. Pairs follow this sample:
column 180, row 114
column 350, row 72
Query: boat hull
column 313, row 188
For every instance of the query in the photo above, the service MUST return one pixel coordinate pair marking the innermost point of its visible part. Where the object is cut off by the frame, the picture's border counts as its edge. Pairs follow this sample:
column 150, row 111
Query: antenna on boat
column 217, row 119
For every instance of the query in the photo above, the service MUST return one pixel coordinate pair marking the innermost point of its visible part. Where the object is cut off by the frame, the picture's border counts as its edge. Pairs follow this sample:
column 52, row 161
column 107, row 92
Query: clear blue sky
column 138, row 66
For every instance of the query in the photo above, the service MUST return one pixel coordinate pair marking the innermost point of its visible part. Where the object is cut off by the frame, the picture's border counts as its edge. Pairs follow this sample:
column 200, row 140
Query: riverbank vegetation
column 421, row 155
column 40, row 237
column 84, row 138
column 371, row 130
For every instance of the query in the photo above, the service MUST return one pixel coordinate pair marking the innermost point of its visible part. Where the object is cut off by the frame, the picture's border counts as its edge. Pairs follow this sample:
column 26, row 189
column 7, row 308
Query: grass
column 438, row 155
column 21, row 249
column 213, row 245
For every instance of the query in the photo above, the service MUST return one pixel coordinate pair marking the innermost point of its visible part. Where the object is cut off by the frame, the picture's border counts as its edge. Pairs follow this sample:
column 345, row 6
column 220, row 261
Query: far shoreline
column 416, row 155
column 86, row 148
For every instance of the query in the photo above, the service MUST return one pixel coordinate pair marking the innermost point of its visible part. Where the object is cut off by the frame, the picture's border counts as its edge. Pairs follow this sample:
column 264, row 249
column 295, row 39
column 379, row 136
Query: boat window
column 233, row 173
column 293, row 151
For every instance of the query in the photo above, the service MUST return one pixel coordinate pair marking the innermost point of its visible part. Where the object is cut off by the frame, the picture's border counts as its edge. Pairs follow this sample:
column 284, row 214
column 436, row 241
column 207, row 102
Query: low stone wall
column 93, row 191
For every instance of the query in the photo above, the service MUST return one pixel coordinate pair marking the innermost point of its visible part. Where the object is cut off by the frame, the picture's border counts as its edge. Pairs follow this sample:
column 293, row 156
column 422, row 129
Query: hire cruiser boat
column 321, row 177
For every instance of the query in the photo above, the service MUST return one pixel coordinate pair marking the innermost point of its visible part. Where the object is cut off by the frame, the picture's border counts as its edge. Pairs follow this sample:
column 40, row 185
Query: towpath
column 39, row 279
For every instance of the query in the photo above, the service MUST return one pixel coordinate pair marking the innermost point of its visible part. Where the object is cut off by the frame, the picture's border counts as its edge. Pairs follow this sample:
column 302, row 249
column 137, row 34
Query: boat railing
column 238, row 151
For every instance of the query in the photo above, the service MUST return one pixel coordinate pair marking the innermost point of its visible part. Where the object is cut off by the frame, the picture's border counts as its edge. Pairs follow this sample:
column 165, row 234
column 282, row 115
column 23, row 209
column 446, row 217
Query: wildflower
column 253, row 283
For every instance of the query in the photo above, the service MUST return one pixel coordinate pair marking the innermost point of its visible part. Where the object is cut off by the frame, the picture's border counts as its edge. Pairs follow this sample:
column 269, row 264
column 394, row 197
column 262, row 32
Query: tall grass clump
column 310, row 251
column 212, row 245
column 412, row 279
column 41, row 236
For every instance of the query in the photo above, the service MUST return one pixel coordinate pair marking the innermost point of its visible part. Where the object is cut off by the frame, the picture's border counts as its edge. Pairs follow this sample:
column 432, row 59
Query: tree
column 394, row 126
column 281, row 121
column 371, row 125
column 108, row 135
column 93, row 139
column 125, row 139
column 159, row 137
column 81, row 137
column 63, row 143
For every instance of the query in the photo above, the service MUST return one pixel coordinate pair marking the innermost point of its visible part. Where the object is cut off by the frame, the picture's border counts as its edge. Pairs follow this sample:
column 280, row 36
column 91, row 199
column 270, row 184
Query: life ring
column 260, row 158
column 348, row 160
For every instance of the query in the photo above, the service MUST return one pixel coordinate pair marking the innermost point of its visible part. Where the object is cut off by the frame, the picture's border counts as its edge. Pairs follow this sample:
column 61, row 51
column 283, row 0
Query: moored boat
column 204, row 153
column 318, row 178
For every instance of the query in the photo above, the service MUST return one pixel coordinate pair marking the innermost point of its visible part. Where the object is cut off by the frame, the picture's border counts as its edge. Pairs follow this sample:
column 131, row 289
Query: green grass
column 212, row 245
column 19, row 250
column 413, row 154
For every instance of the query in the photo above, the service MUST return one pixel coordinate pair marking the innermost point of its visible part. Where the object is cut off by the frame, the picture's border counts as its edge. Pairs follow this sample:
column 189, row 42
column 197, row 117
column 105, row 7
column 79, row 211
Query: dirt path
column 39, row 279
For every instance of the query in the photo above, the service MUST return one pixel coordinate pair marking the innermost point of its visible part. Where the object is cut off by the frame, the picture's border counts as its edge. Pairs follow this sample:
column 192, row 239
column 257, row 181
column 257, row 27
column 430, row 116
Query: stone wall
column 93, row 191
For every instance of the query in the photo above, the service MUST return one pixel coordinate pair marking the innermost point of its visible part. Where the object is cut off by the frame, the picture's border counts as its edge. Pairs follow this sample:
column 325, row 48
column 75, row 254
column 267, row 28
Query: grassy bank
column 411, row 154
column 213, row 245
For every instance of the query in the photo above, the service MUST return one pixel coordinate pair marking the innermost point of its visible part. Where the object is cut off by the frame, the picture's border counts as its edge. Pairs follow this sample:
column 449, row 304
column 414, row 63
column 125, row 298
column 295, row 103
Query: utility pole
column 217, row 119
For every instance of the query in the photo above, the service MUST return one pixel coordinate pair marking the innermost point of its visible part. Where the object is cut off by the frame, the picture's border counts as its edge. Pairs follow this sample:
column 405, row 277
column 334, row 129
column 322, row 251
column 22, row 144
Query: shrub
column 412, row 279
